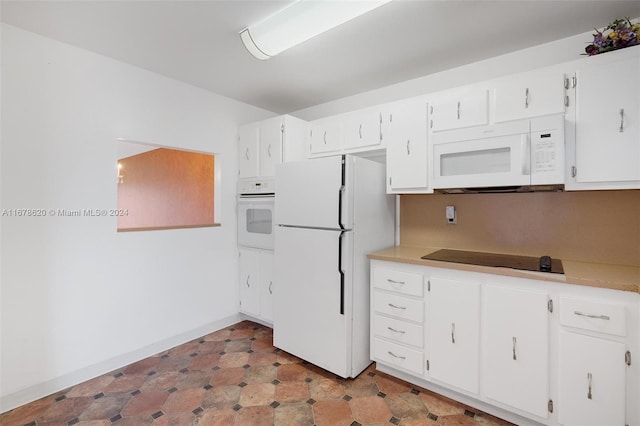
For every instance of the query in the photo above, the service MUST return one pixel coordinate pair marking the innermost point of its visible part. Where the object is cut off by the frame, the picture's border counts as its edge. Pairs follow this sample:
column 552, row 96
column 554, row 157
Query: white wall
column 552, row 53
column 77, row 298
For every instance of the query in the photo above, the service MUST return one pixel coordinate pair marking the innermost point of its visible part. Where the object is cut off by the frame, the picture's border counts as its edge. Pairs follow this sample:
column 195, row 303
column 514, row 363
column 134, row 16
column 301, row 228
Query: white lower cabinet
column 256, row 284
column 397, row 318
column 516, row 348
column 591, row 381
column 454, row 335
column 526, row 350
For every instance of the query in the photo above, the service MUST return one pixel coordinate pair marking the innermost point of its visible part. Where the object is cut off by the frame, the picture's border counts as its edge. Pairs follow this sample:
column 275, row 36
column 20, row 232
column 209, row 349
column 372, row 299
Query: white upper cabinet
column 516, row 347
column 607, row 122
column 264, row 144
column 248, row 151
column 326, row 136
column 454, row 337
column 405, row 133
column 362, row 128
column 271, row 137
column 459, row 108
column 530, row 94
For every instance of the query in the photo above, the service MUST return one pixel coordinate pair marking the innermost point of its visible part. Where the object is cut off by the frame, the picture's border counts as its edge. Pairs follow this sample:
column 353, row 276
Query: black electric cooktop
column 525, row 263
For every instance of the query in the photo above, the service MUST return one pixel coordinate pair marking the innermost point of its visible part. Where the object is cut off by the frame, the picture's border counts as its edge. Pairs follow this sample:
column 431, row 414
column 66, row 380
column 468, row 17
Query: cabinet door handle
column 589, row 377
column 514, row 349
column 458, row 110
column 270, row 284
column 526, row 98
column 397, row 307
column 248, row 285
column 246, row 154
column 395, row 282
column 584, row 314
column 408, row 151
column 269, row 150
column 622, row 120
column 396, row 331
column 325, row 137
column 360, row 131
column 396, row 356
column 453, row 332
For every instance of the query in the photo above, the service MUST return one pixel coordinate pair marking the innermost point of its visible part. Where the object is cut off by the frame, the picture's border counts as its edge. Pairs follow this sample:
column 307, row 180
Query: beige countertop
column 615, row 277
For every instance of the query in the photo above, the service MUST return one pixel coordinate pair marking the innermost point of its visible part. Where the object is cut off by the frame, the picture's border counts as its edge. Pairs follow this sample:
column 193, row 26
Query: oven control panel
column 256, row 186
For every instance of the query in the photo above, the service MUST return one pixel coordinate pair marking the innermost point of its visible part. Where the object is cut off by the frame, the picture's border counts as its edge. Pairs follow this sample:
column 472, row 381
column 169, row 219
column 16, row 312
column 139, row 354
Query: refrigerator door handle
column 341, row 191
column 341, row 272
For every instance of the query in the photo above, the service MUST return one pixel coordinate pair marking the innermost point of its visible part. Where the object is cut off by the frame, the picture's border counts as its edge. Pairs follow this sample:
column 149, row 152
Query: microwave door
column 494, row 161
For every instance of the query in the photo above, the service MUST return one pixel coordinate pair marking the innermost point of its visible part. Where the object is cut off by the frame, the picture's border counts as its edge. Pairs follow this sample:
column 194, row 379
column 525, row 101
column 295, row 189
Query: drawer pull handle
column 589, row 377
column 397, row 307
column 395, row 282
column 515, row 358
column 396, row 356
column 396, row 331
column 453, row 331
column 602, row 317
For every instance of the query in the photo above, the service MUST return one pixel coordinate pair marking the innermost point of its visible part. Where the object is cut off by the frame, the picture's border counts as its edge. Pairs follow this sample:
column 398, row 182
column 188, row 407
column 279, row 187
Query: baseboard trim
column 40, row 390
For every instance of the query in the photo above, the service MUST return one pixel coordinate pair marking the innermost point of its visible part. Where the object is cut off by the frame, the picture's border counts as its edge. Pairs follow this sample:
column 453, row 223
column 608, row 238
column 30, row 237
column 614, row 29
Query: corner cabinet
column 525, row 350
column 264, row 144
column 256, row 284
column 606, row 111
column 405, row 132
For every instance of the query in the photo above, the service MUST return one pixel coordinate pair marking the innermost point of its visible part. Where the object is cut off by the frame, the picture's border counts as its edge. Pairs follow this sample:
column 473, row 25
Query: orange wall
column 596, row 226
column 166, row 188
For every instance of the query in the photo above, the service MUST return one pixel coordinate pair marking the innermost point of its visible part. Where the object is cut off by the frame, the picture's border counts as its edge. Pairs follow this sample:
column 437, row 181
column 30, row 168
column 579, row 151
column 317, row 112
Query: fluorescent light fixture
column 300, row 21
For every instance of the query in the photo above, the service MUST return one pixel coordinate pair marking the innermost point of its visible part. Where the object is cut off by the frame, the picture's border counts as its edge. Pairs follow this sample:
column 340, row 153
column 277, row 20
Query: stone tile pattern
column 235, row 376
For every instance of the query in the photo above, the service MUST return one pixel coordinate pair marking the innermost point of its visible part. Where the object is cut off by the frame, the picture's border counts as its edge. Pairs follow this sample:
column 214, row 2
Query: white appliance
column 256, row 200
column 330, row 212
column 524, row 153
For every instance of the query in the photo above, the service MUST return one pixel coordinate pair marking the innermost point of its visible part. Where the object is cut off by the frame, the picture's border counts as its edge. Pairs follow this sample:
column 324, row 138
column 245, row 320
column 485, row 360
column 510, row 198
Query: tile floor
column 235, row 376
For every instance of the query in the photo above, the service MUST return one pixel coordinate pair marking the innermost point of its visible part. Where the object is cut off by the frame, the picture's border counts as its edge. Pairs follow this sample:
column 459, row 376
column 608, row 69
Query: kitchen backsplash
column 594, row 226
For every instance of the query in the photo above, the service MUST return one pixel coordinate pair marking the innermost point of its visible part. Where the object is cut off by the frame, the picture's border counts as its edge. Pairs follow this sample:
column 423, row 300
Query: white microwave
column 519, row 154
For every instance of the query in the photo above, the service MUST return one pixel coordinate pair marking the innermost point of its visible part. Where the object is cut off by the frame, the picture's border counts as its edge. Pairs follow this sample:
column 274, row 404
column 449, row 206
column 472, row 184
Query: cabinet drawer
column 400, row 331
column 398, row 281
column 592, row 315
column 399, row 307
column 398, row 356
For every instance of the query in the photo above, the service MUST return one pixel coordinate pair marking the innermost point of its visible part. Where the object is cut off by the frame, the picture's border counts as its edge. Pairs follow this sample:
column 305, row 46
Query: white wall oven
column 256, row 200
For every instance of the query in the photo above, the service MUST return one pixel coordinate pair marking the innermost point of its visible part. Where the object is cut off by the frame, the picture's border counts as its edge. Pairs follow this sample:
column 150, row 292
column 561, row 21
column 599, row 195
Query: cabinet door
column 454, row 318
column 608, row 121
column 406, row 139
column 265, row 266
column 516, row 348
column 271, row 136
column 459, row 108
column 530, row 94
column 249, row 282
column 326, row 136
column 362, row 128
column 248, row 151
column 591, row 381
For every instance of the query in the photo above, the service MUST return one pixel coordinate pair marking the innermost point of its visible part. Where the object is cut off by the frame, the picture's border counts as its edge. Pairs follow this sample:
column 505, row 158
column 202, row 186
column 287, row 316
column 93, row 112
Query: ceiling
column 197, row 41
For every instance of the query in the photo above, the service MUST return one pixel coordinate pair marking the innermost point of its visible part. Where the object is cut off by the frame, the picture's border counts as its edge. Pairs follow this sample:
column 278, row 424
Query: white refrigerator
column 330, row 212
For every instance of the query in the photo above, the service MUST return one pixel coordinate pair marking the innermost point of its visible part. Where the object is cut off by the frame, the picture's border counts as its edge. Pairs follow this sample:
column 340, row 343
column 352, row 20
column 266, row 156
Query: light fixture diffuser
column 299, row 22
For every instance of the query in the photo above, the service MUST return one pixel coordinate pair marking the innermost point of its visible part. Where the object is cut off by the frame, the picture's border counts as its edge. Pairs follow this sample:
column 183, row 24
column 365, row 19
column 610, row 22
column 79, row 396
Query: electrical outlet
column 450, row 213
